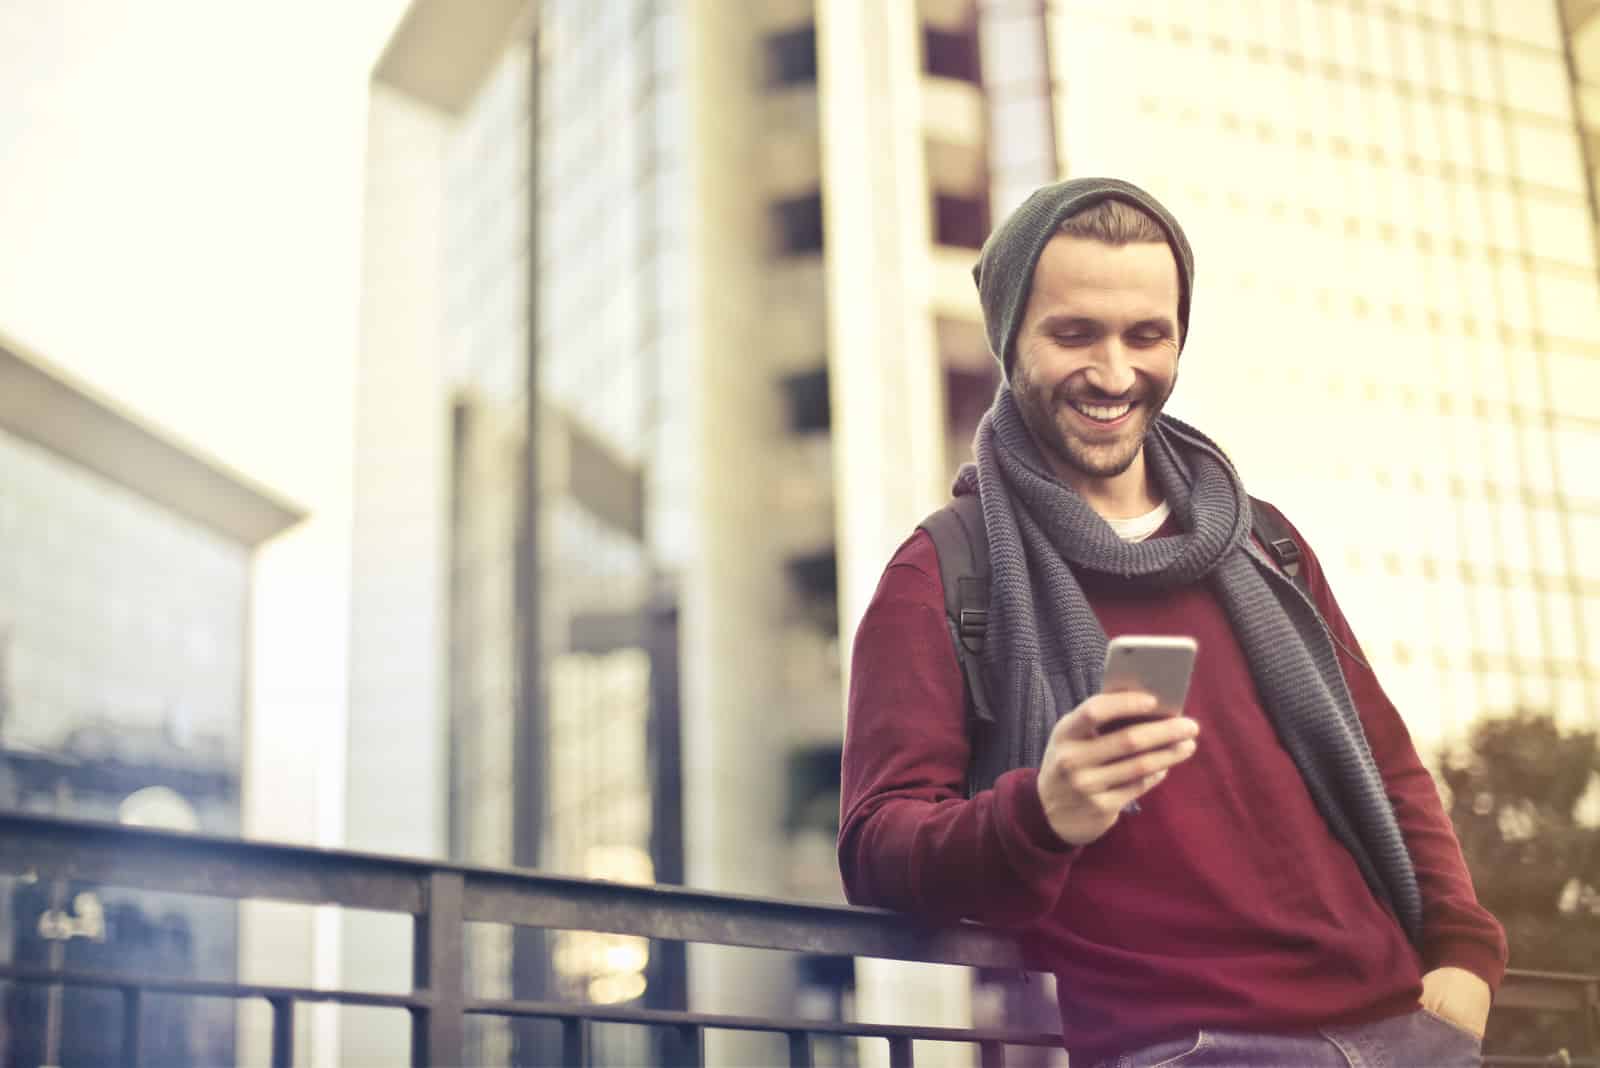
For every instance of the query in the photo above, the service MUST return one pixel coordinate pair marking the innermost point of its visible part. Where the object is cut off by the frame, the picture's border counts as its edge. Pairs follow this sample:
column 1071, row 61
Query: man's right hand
column 1087, row 778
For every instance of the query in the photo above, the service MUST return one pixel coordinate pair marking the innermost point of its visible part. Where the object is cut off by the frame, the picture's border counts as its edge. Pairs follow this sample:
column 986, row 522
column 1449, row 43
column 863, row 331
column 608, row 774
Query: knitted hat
column 1004, row 271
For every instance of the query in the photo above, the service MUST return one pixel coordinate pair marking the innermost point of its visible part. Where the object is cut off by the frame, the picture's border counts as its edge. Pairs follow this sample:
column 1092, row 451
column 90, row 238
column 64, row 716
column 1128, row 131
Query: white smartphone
column 1155, row 664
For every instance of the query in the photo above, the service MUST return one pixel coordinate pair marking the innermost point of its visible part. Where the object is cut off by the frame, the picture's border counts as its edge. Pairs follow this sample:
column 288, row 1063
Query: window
column 807, row 401
column 962, row 222
column 816, row 574
column 968, row 395
column 792, row 57
column 951, row 54
column 798, row 225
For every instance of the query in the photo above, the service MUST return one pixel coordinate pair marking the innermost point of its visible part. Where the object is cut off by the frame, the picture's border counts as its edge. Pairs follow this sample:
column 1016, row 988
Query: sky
column 180, row 210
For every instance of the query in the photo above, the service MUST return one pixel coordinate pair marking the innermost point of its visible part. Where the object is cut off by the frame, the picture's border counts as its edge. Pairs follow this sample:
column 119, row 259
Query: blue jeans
column 1416, row 1040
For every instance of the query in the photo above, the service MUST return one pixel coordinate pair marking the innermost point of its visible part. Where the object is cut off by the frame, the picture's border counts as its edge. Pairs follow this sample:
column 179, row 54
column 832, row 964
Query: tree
column 1519, row 792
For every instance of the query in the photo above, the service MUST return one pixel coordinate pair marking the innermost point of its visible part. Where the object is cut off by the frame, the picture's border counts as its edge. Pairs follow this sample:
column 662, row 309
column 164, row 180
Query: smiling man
column 1268, row 878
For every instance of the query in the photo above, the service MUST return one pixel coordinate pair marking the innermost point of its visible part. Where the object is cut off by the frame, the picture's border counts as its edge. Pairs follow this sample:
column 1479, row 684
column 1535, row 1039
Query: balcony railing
column 443, row 898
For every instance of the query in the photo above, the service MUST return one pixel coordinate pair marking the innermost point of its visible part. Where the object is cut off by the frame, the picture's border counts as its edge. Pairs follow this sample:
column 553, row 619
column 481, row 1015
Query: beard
column 1055, row 426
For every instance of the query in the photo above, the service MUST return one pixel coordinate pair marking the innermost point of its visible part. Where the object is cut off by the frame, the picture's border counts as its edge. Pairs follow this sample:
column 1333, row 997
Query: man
column 1287, row 888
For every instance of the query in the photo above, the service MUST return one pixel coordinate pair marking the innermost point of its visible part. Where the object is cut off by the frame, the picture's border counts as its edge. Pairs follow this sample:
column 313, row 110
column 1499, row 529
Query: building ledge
column 43, row 406
column 442, row 50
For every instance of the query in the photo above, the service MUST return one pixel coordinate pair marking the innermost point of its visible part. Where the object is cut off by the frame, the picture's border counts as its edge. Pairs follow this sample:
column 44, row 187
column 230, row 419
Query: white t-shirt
column 1141, row 527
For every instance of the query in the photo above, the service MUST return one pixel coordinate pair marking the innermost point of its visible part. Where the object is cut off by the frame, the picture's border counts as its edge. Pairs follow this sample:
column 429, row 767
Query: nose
column 1109, row 369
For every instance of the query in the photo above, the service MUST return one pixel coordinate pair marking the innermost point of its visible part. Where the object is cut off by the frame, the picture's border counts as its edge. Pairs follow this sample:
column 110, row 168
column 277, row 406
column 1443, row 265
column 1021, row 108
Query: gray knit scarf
column 1045, row 650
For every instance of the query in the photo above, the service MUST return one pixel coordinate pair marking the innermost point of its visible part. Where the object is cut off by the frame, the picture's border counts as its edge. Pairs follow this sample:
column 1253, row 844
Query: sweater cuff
column 1484, row 961
column 1017, row 791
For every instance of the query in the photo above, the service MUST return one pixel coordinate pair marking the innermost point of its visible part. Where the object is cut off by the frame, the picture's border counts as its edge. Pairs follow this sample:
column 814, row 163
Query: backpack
column 963, row 546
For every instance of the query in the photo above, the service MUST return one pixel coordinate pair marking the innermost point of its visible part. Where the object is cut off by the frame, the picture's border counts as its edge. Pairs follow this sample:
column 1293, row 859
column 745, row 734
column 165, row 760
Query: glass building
column 125, row 573
column 671, row 339
column 1397, row 326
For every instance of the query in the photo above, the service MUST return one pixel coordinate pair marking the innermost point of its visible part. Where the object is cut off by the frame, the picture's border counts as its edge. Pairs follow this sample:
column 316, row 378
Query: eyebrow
column 1056, row 324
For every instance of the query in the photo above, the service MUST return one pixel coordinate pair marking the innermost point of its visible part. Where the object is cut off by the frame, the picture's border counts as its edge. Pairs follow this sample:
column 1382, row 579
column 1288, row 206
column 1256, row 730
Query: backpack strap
column 963, row 547
column 1272, row 530
column 962, row 543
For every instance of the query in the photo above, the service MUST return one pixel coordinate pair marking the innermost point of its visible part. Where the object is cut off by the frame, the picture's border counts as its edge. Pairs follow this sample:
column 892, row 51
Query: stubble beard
column 1050, row 418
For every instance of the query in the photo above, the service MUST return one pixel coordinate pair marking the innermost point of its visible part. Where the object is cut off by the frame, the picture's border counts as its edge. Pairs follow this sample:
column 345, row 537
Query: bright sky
column 180, row 204
column 180, row 193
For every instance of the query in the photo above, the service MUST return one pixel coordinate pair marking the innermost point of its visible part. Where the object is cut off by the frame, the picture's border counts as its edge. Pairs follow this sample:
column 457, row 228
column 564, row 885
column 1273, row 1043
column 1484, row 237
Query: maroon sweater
column 1226, row 902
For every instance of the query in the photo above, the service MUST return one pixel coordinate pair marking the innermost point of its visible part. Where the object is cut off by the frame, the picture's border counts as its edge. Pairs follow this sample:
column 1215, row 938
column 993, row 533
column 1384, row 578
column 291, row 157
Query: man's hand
column 1086, row 778
column 1458, row 996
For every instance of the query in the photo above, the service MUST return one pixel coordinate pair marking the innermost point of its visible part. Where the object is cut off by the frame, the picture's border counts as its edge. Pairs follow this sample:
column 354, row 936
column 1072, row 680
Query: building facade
column 1397, row 324
column 125, row 578
column 671, row 339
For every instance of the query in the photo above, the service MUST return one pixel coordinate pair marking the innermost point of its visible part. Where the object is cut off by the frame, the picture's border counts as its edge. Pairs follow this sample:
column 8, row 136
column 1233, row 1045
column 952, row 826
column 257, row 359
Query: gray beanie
column 1004, row 271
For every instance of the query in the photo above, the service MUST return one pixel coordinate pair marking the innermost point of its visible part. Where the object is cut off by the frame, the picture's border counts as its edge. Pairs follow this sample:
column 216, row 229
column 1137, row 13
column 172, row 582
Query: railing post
column 686, row 1045
column 1591, row 1017
column 799, row 1049
column 438, row 1031
column 282, row 1032
column 900, row 1055
column 130, row 1027
column 575, row 1042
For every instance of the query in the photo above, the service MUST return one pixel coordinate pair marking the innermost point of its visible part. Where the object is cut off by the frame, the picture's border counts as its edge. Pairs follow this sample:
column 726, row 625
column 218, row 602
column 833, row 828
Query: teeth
column 1103, row 413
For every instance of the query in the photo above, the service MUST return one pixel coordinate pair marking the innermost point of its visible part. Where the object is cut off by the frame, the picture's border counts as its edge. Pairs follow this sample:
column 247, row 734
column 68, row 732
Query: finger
column 1114, row 801
column 1086, row 720
column 1129, row 741
column 1125, row 773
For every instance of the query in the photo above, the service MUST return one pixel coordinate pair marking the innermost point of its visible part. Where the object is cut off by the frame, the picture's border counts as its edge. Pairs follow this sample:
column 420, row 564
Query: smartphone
column 1155, row 664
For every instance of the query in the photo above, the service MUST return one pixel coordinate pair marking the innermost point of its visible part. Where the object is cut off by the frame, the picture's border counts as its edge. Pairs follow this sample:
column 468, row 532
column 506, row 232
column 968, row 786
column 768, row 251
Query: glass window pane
column 1537, row 83
column 1569, row 306
column 1548, row 156
column 1559, row 229
column 1534, row 22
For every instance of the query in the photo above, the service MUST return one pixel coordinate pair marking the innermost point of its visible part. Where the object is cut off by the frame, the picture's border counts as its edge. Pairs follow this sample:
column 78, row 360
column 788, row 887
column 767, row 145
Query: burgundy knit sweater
column 1225, row 903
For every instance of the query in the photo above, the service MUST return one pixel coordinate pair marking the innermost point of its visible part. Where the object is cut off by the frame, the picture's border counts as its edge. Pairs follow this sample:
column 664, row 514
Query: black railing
column 443, row 898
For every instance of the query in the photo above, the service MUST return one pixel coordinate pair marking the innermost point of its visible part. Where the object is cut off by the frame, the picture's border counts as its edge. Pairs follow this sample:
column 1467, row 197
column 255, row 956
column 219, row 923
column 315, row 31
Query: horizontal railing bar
column 25, row 973
column 1543, row 992
column 550, row 1010
column 51, row 847
column 1578, row 978
column 182, row 863
column 731, row 920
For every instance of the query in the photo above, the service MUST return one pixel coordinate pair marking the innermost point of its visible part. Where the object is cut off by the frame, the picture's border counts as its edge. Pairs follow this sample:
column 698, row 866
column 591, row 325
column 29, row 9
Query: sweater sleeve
column 909, row 838
column 1457, row 930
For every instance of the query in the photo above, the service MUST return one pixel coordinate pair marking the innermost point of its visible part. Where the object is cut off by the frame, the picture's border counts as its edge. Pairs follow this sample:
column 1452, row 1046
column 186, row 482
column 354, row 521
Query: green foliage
column 1517, row 794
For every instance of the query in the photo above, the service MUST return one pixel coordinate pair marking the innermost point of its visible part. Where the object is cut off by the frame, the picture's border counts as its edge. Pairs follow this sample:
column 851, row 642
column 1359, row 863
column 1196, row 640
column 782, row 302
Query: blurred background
column 472, row 428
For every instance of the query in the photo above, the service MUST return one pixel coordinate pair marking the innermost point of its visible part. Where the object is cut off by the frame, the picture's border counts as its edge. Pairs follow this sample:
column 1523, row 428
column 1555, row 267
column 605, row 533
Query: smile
column 1103, row 414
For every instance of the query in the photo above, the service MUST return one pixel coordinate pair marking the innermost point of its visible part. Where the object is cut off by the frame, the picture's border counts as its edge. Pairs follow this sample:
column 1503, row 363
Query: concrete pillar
column 397, row 748
column 886, row 381
column 733, row 771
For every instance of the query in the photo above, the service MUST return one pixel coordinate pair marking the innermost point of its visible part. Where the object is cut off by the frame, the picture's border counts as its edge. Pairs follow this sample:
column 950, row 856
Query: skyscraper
column 1397, row 323
column 671, row 339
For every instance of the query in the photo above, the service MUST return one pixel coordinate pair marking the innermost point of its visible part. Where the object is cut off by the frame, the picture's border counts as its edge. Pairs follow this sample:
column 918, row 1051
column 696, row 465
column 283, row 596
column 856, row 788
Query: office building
column 125, row 579
column 1397, row 326
column 670, row 339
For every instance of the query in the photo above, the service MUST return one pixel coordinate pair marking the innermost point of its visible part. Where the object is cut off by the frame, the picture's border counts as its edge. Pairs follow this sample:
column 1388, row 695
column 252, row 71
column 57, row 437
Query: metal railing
column 443, row 898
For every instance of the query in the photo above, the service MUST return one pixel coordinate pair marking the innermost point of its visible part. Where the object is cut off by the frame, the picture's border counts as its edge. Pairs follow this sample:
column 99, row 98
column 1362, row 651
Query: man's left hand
column 1458, row 996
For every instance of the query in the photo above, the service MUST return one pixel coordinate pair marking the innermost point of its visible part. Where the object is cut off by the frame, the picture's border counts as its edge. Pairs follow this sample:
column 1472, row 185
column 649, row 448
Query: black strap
column 963, row 547
column 1272, row 531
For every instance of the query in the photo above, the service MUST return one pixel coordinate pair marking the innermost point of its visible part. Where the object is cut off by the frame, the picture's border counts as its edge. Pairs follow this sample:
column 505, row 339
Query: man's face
column 1097, row 354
